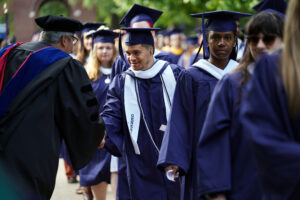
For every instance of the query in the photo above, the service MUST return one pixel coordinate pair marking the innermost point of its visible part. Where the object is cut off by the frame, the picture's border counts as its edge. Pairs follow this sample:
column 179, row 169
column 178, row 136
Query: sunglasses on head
column 267, row 39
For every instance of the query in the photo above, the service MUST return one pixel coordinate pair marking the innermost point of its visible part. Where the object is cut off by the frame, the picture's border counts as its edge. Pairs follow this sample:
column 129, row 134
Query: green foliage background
column 176, row 12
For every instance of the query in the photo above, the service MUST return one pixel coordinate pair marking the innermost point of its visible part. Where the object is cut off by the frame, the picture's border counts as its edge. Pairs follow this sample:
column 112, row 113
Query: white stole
column 132, row 109
column 105, row 71
column 215, row 71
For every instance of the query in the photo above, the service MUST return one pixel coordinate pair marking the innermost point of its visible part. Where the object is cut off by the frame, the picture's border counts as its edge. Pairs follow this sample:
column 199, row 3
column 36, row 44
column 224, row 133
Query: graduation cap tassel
column 201, row 45
column 120, row 46
column 205, row 52
column 93, row 41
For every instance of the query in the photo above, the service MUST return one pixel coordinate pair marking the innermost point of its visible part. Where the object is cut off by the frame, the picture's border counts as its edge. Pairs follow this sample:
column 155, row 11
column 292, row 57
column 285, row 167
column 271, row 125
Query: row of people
column 140, row 142
column 161, row 118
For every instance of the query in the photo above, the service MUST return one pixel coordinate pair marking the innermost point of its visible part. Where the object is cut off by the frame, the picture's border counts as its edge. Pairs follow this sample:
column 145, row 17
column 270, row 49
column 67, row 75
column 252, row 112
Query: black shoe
column 72, row 180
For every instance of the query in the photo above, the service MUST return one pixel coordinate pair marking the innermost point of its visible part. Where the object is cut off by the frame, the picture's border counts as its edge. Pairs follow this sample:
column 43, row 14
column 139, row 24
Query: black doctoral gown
column 58, row 103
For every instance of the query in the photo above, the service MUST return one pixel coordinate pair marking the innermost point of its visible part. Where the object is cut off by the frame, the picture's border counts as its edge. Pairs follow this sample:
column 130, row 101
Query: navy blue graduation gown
column 192, row 95
column 118, row 67
column 98, row 169
column 123, row 193
column 145, row 180
column 174, row 57
column 275, row 136
column 224, row 157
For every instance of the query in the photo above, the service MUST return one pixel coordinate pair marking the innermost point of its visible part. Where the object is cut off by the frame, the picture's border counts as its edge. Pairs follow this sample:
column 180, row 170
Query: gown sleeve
column 113, row 117
column 213, row 149
column 264, row 115
column 176, row 146
column 77, row 115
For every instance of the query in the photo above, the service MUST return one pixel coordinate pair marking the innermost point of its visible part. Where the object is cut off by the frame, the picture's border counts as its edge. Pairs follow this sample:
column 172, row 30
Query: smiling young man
column 192, row 96
column 139, row 17
column 136, row 113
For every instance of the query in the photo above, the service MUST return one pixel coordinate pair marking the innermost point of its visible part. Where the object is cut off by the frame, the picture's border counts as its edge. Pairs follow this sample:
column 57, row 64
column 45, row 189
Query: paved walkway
column 66, row 191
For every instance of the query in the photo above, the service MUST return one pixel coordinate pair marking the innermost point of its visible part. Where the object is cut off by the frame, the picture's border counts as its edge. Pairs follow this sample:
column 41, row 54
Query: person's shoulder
column 119, row 79
column 199, row 74
column 175, row 67
column 162, row 55
column 233, row 77
column 75, row 65
column 269, row 62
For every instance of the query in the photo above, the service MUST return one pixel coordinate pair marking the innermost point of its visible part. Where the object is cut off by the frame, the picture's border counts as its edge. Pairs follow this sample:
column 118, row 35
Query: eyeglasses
column 74, row 39
column 267, row 39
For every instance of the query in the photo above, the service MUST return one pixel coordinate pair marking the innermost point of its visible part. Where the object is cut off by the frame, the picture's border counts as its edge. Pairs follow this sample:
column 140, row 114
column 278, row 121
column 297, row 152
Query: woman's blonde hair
column 291, row 56
column 83, row 53
column 93, row 65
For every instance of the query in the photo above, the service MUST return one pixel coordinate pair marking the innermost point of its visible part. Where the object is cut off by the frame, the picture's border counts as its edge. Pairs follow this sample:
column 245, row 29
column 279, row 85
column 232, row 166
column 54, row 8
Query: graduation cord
column 142, row 111
column 165, row 89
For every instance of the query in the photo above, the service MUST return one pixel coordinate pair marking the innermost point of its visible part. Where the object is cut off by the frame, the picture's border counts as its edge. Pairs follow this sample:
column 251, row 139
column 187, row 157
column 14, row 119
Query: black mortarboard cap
column 135, row 36
column 220, row 21
column 88, row 26
column 58, row 23
column 106, row 36
column 275, row 6
column 139, row 13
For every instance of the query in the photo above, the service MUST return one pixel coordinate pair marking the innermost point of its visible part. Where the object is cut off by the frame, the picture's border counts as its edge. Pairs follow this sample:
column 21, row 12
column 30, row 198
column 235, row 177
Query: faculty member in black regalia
column 45, row 96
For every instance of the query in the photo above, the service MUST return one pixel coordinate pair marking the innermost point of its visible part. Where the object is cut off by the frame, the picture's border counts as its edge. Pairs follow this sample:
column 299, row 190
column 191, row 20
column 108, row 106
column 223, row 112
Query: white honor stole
column 131, row 104
column 215, row 71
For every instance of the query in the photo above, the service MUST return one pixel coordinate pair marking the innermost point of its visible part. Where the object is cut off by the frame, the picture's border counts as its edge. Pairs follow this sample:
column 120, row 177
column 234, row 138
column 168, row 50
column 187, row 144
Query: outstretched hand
column 175, row 169
column 101, row 145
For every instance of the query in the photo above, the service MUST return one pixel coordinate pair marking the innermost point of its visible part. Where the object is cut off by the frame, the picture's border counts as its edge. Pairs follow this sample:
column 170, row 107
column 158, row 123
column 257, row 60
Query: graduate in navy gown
column 192, row 96
column 225, row 161
column 136, row 113
column 97, row 172
column 139, row 17
column 192, row 44
column 86, row 42
column 176, row 50
column 270, row 114
column 142, row 17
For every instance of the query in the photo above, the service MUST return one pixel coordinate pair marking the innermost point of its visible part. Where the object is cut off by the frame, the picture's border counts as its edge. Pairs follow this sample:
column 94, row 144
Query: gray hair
column 53, row 37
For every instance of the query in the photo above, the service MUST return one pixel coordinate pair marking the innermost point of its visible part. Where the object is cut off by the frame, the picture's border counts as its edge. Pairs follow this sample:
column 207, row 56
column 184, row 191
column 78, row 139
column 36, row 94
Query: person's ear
column 63, row 41
column 152, row 50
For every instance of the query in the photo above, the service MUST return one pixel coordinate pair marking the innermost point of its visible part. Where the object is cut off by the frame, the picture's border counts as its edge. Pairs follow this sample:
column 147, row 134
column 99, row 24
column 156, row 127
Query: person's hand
column 101, row 145
column 219, row 197
column 175, row 169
